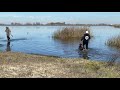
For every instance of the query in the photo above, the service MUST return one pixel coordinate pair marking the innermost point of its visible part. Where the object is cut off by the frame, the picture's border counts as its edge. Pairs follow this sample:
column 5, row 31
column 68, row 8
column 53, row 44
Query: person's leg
column 86, row 45
column 83, row 44
column 8, row 38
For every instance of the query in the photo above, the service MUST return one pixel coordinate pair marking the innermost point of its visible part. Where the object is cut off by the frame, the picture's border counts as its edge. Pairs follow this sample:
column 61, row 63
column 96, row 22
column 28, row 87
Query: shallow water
column 38, row 40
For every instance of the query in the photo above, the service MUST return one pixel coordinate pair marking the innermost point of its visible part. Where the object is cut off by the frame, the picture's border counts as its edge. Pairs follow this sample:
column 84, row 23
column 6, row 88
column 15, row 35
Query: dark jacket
column 86, row 37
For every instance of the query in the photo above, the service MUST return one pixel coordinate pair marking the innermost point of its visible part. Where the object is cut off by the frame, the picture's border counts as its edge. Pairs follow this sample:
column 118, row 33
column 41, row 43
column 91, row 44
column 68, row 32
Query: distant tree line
column 54, row 24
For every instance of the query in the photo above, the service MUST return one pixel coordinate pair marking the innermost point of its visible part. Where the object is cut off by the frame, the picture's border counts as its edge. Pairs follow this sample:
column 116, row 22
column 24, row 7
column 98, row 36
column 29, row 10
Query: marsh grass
column 69, row 33
column 114, row 42
column 116, row 26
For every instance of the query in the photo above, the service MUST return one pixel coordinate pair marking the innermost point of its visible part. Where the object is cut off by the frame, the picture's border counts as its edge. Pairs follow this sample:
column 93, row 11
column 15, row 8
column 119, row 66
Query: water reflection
column 8, row 48
column 112, row 59
column 83, row 54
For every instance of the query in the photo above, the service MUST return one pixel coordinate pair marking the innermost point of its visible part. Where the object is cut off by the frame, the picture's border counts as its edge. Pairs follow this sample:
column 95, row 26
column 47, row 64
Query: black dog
column 81, row 46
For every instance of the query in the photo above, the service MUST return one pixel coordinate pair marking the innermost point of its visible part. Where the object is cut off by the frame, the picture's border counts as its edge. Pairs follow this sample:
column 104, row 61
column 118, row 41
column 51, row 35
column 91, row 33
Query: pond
column 38, row 40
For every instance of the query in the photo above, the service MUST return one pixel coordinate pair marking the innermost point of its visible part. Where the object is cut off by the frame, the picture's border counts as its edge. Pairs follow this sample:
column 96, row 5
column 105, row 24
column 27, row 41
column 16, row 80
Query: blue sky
column 68, row 17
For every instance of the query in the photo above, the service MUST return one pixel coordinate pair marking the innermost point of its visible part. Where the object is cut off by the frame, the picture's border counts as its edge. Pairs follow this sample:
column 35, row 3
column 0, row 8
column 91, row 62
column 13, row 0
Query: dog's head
column 80, row 47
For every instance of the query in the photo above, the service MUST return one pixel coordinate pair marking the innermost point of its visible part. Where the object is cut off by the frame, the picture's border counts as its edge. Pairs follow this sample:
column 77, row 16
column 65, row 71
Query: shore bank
column 20, row 65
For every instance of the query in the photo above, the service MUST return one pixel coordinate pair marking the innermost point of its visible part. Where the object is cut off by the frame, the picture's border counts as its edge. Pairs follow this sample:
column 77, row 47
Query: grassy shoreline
column 20, row 65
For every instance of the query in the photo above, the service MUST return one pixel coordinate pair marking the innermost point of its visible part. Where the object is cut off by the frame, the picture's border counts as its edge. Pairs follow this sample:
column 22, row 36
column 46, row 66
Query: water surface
column 38, row 40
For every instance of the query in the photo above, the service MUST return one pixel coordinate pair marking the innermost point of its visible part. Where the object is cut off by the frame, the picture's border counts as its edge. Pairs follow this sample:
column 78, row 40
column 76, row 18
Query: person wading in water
column 85, row 40
column 8, row 33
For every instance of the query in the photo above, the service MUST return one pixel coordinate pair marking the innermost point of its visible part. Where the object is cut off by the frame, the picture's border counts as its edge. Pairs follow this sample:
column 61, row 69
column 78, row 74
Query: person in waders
column 85, row 39
column 8, row 33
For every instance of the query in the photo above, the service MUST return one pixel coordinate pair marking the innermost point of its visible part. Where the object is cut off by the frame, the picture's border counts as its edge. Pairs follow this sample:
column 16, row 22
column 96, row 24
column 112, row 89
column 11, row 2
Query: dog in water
column 81, row 46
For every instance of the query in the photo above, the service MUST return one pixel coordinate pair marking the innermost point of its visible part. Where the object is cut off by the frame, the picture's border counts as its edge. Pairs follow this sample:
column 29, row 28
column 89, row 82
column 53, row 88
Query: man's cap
column 86, row 31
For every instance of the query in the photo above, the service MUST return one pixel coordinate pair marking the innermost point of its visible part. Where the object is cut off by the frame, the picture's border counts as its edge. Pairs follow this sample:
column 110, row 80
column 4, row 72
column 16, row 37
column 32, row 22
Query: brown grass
column 114, row 42
column 19, row 65
column 70, row 33
column 116, row 25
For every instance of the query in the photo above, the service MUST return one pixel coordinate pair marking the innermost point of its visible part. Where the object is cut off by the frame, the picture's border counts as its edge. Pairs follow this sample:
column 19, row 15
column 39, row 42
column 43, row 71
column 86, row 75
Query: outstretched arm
column 11, row 34
column 82, row 38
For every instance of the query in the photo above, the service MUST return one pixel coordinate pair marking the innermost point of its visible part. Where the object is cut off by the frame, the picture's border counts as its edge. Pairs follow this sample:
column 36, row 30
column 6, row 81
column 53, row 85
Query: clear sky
column 68, row 17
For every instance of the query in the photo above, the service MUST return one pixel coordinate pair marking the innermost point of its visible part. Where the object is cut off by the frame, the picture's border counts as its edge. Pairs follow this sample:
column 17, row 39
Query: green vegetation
column 69, row 33
column 20, row 65
column 114, row 42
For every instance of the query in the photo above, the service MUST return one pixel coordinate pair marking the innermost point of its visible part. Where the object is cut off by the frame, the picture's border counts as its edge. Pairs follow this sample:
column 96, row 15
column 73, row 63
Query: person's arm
column 9, row 31
column 89, row 37
column 82, row 38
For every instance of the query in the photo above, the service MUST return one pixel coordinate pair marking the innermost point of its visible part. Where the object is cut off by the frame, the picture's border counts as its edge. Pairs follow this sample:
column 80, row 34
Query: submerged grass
column 114, row 42
column 20, row 65
column 68, row 33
